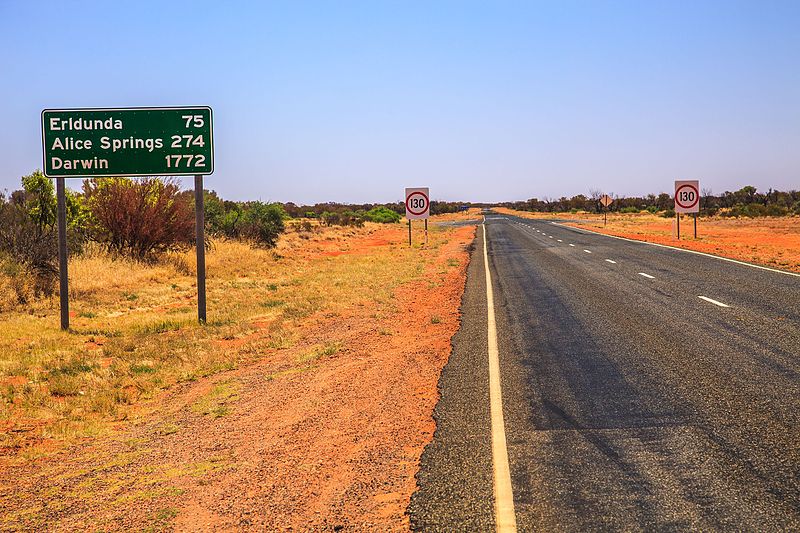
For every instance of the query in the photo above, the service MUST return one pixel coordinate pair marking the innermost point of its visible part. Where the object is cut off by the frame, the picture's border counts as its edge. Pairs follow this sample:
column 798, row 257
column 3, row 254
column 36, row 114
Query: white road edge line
column 728, row 259
column 713, row 301
column 612, row 262
column 505, row 519
column 648, row 276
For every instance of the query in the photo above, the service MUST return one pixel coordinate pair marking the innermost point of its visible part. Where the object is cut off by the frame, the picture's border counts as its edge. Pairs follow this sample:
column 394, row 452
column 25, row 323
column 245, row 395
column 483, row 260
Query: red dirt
column 774, row 242
column 333, row 445
column 769, row 241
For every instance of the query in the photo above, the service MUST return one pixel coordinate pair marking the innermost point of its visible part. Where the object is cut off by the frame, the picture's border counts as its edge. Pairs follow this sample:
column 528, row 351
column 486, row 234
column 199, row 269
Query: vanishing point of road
column 642, row 388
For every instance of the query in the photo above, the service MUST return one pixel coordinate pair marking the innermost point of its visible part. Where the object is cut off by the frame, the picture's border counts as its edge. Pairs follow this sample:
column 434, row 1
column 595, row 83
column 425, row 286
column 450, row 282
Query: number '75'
column 194, row 120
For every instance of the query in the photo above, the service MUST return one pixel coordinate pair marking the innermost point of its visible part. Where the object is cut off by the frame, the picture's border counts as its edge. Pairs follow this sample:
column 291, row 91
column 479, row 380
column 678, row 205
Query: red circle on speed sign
column 424, row 204
column 693, row 198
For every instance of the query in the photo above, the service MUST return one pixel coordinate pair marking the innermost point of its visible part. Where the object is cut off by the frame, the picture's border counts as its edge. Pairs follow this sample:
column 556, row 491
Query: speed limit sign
column 687, row 196
column 418, row 204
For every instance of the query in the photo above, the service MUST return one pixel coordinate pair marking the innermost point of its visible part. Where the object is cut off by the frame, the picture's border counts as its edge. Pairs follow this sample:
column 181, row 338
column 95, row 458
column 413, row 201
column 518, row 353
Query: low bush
column 629, row 209
column 139, row 218
column 382, row 215
column 342, row 218
column 754, row 210
column 29, row 236
column 261, row 223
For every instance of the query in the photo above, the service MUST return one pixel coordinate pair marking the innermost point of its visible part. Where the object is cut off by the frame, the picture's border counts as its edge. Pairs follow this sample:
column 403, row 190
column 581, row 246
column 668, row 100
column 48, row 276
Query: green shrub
column 754, row 210
column 262, row 223
column 29, row 236
column 652, row 209
column 382, row 214
column 629, row 209
column 668, row 213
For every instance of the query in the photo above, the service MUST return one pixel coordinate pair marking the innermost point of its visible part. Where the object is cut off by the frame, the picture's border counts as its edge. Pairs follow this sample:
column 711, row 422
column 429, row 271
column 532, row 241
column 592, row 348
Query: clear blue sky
column 481, row 101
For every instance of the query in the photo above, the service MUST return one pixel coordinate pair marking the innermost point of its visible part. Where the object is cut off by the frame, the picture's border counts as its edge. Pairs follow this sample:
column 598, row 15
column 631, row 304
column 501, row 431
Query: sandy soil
column 768, row 241
column 331, row 444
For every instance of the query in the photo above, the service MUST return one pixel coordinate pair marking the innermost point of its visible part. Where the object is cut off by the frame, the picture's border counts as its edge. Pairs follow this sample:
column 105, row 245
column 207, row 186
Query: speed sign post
column 687, row 200
column 128, row 142
column 605, row 200
column 418, row 206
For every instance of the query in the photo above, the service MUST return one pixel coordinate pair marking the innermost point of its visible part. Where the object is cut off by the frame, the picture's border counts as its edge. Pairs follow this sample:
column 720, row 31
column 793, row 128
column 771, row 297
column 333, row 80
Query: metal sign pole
column 199, row 222
column 678, row 216
column 62, row 253
column 409, row 232
column 695, row 225
column 426, row 232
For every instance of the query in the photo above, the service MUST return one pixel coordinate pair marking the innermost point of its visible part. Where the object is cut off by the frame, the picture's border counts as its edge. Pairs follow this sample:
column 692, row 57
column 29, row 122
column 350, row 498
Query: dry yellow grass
column 134, row 330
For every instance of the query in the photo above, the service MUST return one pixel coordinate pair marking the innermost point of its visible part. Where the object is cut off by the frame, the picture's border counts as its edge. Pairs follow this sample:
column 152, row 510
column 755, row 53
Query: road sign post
column 63, row 288
column 128, row 142
column 606, row 201
column 687, row 200
column 200, row 244
column 418, row 206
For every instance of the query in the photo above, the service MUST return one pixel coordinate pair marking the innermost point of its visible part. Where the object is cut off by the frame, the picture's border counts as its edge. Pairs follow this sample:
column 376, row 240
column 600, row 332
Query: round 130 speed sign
column 418, row 204
column 687, row 196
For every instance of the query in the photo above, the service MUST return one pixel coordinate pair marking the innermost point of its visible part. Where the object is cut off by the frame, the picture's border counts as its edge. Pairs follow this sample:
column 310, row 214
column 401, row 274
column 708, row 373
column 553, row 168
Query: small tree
column 29, row 237
column 139, row 218
column 261, row 223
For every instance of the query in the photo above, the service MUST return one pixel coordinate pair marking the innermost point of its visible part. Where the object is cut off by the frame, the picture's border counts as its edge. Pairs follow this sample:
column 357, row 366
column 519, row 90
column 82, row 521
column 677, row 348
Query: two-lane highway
column 643, row 388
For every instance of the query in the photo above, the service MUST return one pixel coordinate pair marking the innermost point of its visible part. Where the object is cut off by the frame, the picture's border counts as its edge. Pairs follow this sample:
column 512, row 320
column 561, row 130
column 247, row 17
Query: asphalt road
column 630, row 402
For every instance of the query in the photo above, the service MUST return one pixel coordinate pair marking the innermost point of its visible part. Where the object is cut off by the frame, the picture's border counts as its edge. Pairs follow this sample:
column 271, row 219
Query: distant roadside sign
column 418, row 205
column 687, row 196
column 152, row 141
column 606, row 200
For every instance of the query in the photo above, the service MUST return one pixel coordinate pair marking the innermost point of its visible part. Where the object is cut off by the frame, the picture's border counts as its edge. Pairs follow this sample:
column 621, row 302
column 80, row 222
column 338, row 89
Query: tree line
column 142, row 219
column 746, row 202
column 146, row 218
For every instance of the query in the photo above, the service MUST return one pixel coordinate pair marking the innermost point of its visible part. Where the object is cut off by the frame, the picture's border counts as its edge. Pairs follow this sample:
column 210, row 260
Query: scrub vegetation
column 134, row 330
column 746, row 202
column 144, row 219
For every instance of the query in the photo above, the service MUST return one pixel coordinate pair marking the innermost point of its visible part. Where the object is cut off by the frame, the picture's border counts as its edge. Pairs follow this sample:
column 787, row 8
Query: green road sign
column 145, row 141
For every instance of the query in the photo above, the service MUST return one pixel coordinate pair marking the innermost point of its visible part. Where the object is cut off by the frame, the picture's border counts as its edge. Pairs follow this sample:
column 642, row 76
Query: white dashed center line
column 572, row 245
column 588, row 251
column 709, row 300
column 612, row 262
column 559, row 240
column 551, row 236
column 648, row 276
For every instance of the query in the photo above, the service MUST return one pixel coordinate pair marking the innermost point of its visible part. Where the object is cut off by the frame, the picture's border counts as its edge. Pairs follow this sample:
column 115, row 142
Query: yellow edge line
column 505, row 519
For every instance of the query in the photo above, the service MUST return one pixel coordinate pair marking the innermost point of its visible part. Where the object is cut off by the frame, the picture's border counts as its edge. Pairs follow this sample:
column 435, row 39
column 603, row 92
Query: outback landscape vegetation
column 399, row 266
column 290, row 301
column 296, row 293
